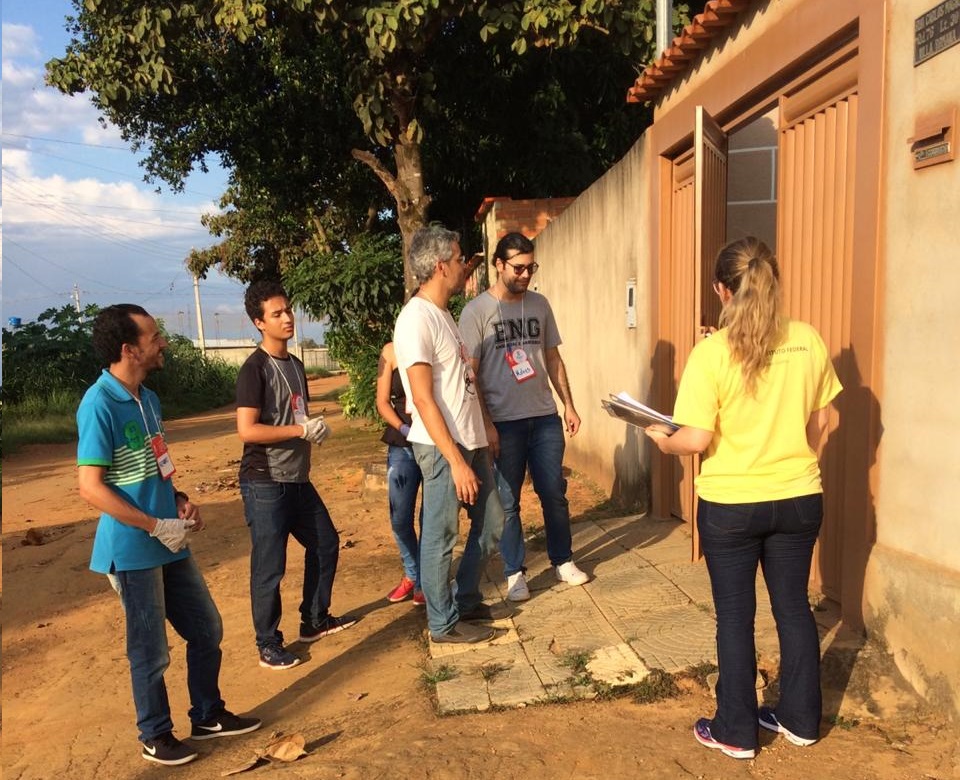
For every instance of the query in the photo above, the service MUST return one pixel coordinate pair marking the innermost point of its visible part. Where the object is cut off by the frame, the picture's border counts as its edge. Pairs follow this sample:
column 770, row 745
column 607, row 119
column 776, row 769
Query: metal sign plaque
column 937, row 30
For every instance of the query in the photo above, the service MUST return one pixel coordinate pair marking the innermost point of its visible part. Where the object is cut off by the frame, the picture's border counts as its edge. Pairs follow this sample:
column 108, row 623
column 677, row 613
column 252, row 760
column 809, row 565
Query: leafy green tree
column 269, row 86
column 53, row 358
column 51, row 354
column 360, row 289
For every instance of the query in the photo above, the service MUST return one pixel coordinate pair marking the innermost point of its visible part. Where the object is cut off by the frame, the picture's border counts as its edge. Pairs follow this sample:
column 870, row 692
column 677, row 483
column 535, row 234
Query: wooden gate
column 698, row 213
column 818, row 130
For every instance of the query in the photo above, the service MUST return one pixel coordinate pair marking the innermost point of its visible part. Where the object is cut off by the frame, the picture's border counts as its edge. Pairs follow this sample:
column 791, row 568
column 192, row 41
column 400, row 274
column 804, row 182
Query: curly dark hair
column 260, row 292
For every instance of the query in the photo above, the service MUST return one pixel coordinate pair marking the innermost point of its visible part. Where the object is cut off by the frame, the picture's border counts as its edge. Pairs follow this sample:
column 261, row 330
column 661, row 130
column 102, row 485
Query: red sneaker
column 399, row 593
column 419, row 599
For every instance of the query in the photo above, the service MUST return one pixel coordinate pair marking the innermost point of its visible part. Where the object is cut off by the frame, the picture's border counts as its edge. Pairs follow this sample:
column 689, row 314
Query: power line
column 73, row 271
column 26, row 273
column 89, row 205
column 80, row 223
column 71, row 143
column 110, row 170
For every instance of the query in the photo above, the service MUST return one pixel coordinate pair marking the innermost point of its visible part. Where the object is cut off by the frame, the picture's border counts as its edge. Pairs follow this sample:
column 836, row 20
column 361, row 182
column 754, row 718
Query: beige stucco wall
column 587, row 255
column 912, row 591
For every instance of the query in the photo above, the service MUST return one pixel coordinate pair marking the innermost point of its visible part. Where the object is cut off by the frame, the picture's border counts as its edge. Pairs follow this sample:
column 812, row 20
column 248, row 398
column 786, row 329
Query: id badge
column 299, row 405
column 520, row 364
column 164, row 462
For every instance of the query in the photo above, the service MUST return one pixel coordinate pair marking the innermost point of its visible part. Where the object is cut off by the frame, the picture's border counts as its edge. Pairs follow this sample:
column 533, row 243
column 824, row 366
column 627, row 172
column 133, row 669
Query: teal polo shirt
column 115, row 435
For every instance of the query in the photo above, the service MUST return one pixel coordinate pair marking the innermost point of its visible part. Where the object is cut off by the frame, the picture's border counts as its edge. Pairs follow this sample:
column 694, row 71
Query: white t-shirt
column 427, row 334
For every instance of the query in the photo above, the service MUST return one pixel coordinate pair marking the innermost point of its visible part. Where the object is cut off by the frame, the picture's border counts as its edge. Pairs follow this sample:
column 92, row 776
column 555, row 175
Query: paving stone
column 672, row 639
column 617, row 666
column 567, row 615
column 634, row 589
column 692, row 578
column 591, row 542
column 462, row 694
column 515, row 686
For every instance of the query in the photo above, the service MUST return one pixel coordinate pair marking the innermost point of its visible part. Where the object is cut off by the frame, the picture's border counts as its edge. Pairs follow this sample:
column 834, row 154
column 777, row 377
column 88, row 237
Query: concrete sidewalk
column 646, row 607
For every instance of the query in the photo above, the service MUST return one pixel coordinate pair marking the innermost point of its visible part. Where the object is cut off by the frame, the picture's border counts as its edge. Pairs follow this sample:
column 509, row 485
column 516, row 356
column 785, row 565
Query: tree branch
column 388, row 179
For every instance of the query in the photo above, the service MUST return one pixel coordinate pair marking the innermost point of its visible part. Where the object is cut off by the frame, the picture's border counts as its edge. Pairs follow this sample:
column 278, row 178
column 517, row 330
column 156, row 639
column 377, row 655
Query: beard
column 517, row 286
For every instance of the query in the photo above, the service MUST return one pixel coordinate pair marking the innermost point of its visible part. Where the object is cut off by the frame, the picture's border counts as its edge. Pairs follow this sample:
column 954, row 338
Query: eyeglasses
column 523, row 268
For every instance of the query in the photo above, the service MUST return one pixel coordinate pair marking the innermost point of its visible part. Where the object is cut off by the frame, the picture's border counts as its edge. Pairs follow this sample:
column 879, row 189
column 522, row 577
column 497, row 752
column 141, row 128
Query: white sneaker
column 568, row 572
column 517, row 589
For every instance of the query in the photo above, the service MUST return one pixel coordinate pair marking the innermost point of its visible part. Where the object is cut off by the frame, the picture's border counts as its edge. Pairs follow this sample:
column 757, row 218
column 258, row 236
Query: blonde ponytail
column 748, row 269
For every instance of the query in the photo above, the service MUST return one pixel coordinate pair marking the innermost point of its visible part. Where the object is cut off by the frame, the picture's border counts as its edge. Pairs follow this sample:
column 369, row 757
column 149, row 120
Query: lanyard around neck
column 276, row 366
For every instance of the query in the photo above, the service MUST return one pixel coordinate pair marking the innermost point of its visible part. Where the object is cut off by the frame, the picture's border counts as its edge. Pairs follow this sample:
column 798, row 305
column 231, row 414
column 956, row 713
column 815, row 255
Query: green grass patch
column 491, row 670
column 656, row 686
column 700, row 672
column 38, row 420
column 440, row 674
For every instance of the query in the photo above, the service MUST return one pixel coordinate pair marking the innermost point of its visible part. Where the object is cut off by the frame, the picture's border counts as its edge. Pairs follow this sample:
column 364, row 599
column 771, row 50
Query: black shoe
column 465, row 633
column 275, row 657
column 329, row 625
column 226, row 724
column 484, row 612
column 168, row 750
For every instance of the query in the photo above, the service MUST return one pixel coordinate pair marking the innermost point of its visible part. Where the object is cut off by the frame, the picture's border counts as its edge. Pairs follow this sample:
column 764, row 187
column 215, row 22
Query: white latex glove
column 173, row 532
column 315, row 430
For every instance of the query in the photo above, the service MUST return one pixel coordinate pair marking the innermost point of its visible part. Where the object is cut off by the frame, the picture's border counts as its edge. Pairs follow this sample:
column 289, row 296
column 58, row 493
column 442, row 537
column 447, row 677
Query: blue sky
column 77, row 217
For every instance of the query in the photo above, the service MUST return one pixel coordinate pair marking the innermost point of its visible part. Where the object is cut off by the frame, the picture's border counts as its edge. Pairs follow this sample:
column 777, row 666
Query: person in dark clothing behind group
column 278, row 497
column 125, row 471
column 403, row 475
column 754, row 397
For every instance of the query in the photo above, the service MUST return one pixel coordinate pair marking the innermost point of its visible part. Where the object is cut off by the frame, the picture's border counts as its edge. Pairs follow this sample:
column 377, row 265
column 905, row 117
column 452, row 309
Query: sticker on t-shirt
column 299, row 406
column 164, row 461
column 520, row 364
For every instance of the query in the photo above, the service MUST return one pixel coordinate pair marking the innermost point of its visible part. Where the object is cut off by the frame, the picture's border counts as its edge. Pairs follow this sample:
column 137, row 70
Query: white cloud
column 19, row 40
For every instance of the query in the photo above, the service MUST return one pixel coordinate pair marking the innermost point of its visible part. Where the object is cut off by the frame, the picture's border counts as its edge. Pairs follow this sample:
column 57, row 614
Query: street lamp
column 216, row 317
column 180, row 318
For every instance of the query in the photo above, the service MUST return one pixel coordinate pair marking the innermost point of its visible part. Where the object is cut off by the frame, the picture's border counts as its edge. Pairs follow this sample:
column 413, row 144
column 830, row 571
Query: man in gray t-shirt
column 513, row 341
column 278, row 498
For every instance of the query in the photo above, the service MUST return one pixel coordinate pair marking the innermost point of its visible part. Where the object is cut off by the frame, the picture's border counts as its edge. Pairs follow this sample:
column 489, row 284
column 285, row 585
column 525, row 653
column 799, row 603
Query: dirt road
column 359, row 699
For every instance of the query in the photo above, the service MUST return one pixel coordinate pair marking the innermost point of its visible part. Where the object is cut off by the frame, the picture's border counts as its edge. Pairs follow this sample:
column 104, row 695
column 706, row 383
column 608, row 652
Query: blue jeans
column 779, row 535
column 178, row 593
column 403, row 483
column 537, row 443
column 441, row 509
column 274, row 511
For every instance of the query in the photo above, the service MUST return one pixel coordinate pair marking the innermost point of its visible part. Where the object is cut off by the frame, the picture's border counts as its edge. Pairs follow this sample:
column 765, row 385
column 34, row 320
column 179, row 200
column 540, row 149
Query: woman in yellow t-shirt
column 753, row 398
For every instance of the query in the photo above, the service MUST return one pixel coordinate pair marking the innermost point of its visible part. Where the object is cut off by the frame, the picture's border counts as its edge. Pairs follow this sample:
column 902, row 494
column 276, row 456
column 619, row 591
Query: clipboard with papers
column 631, row 411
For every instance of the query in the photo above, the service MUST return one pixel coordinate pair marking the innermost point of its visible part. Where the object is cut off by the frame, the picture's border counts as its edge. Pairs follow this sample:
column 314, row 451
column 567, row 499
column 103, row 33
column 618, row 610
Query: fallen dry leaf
column 287, row 748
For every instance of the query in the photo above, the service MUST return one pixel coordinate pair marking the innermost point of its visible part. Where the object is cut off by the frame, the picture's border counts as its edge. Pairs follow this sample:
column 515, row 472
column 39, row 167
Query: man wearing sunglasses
column 513, row 341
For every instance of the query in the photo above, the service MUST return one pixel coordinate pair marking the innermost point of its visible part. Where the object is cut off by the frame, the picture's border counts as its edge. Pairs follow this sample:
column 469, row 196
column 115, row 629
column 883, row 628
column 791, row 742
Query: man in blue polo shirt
column 141, row 543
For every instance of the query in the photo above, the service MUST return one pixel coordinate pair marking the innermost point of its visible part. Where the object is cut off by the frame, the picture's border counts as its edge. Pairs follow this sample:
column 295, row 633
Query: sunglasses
column 520, row 268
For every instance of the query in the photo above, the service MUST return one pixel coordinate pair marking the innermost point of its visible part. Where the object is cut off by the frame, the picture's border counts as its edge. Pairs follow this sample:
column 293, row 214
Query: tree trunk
column 411, row 212
column 408, row 192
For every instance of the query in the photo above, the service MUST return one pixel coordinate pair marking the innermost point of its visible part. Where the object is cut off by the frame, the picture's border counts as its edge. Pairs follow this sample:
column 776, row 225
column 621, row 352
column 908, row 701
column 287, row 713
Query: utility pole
column 664, row 25
column 76, row 300
column 196, row 297
column 180, row 317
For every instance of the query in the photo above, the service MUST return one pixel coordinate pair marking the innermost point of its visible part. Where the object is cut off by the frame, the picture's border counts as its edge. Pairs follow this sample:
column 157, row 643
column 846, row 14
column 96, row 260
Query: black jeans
column 779, row 535
column 274, row 511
